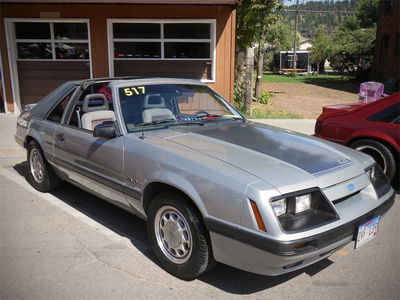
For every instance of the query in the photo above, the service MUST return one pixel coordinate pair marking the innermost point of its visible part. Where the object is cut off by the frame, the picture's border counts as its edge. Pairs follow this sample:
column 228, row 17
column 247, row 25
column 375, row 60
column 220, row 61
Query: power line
column 320, row 11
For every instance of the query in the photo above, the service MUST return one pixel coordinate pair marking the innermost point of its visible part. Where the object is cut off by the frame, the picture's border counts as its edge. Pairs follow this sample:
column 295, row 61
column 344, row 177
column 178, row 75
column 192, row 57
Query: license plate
column 367, row 231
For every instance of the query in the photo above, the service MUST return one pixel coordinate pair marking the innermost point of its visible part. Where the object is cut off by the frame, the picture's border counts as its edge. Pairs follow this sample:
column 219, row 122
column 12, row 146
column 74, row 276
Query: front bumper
column 253, row 251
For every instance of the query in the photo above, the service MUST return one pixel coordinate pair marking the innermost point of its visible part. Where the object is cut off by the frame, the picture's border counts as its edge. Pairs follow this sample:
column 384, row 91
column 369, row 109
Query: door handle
column 60, row 137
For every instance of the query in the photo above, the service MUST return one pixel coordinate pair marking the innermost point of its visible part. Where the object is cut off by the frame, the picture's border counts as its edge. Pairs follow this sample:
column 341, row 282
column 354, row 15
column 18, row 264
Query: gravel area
column 307, row 100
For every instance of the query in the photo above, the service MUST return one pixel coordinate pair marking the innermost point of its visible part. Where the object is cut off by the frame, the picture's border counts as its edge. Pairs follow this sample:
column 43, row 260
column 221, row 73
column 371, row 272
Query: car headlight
column 279, row 206
column 378, row 180
column 303, row 210
column 303, row 203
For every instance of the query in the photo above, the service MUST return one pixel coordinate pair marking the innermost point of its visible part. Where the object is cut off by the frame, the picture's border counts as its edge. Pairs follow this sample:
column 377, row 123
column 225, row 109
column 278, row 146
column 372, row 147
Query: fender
column 32, row 133
column 184, row 185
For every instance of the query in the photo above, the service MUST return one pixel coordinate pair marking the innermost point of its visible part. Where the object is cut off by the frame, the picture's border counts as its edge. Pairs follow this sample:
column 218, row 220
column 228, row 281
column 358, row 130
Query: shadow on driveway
column 346, row 86
column 223, row 277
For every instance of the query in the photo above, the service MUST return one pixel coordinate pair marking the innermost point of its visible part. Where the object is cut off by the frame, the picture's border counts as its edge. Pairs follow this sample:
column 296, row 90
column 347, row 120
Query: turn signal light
column 257, row 214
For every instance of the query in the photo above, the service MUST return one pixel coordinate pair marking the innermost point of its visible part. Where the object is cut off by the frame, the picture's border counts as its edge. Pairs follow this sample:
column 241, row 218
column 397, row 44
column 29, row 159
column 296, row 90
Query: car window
column 387, row 115
column 174, row 104
column 57, row 113
column 100, row 101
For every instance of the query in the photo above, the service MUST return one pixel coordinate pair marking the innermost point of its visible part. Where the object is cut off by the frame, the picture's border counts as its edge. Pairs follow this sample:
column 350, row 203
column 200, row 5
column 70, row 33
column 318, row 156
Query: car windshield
column 164, row 105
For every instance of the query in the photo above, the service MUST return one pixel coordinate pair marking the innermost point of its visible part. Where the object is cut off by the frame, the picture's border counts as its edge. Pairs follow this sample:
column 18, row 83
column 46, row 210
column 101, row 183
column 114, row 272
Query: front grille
column 337, row 201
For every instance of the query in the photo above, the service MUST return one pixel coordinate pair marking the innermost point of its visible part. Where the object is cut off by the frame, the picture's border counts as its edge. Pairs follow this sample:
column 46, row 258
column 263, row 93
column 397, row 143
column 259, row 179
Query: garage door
column 48, row 54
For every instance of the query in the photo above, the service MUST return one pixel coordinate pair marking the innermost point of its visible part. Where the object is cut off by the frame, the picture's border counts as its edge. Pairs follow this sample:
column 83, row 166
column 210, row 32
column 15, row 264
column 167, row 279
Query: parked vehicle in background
column 372, row 128
column 211, row 185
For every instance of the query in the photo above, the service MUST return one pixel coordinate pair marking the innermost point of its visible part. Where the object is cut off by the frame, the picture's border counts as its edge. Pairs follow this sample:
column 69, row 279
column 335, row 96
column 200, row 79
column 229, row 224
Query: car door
column 94, row 163
column 48, row 125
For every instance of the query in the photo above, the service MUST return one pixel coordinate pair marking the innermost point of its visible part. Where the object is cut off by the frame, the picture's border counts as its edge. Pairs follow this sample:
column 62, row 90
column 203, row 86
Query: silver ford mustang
column 213, row 186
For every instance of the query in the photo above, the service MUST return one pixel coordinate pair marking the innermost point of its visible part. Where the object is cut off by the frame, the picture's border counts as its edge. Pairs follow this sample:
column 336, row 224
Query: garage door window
column 177, row 48
column 162, row 40
column 52, row 40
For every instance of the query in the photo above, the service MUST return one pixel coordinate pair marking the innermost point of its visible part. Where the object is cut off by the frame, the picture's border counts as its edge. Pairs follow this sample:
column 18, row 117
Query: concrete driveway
column 71, row 245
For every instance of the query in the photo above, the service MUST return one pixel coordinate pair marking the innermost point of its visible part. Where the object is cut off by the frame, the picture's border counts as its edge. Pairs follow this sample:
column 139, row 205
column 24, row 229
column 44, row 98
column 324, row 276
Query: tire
column 178, row 236
column 380, row 153
column 41, row 175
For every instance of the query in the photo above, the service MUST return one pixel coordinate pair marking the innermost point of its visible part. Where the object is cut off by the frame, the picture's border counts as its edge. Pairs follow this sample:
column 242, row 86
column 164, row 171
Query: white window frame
column 53, row 41
column 163, row 40
column 3, row 85
column 13, row 54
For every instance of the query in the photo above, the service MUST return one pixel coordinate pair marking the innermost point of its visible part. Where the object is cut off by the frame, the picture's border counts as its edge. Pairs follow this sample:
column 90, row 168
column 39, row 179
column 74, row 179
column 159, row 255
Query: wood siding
column 389, row 27
column 98, row 14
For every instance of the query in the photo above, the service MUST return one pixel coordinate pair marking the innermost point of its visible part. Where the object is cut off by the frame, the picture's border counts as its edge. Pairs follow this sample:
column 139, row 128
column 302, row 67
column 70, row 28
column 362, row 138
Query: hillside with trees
column 350, row 47
column 316, row 13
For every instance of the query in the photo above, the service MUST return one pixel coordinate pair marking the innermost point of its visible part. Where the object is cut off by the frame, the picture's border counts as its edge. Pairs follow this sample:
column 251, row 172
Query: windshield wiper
column 156, row 122
column 219, row 118
column 191, row 123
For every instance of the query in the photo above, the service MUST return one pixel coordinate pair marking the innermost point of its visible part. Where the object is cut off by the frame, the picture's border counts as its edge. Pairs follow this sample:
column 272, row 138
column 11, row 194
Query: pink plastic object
column 370, row 91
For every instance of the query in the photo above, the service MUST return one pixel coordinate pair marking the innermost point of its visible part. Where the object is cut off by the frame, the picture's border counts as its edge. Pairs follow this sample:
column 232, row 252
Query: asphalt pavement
column 69, row 244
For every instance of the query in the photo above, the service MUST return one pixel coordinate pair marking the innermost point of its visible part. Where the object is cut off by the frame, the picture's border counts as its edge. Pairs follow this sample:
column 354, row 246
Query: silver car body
column 219, row 167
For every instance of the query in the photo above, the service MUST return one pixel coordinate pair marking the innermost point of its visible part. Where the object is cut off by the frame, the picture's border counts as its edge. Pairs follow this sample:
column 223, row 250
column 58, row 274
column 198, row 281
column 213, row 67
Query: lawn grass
column 270, row 77
column 261, row 111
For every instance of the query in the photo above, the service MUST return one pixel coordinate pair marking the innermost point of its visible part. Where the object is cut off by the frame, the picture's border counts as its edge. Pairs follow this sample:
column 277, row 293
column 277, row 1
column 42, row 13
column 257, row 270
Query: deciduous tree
column 354, row 41
column 253, row 19
column 321, row 46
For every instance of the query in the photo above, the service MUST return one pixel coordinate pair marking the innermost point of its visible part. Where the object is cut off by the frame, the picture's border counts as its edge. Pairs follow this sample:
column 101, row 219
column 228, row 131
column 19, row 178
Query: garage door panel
column 53, row 65
column 183, row 69
column 38, row 78
column 47, row 82
column 28, row 74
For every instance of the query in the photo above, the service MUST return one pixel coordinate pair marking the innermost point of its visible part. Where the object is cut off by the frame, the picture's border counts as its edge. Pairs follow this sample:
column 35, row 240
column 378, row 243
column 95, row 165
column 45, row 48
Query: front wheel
column 178, row 236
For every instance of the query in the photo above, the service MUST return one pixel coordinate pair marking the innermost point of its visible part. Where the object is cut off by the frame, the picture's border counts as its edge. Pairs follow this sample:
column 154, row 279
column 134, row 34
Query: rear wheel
column 178, row 236
column 41, row 175
column 380, row 153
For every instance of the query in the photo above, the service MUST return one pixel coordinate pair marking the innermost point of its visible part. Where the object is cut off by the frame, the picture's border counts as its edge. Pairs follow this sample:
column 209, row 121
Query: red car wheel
column 382, row 155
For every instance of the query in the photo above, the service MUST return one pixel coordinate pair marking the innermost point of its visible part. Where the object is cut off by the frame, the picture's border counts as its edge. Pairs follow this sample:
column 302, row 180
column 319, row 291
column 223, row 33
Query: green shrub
column 265, row 97
column 292, row 74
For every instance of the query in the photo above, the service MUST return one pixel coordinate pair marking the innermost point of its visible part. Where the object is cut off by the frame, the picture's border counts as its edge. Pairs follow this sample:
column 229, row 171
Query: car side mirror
column 106, row 130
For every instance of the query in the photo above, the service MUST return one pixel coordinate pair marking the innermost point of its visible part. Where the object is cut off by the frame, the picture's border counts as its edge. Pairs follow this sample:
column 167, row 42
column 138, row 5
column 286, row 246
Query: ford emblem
column 351, row 187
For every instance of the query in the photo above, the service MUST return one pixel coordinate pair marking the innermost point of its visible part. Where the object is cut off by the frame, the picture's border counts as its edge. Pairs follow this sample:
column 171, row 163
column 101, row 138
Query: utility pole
column 294, row 64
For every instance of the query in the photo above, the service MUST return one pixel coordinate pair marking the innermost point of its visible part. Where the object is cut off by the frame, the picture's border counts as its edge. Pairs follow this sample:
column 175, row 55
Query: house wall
column 386, row 61
column 305, row 46
column 97, row 15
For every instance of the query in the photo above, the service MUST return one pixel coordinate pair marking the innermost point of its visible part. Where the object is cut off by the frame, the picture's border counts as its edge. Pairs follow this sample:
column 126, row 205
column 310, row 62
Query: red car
column 372, row 128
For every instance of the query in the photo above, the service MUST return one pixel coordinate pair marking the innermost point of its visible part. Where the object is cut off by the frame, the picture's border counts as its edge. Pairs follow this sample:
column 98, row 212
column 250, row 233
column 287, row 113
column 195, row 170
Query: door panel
column 96, row 159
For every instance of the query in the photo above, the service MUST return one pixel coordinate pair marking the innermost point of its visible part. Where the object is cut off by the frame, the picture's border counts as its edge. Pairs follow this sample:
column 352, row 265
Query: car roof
column 86, row 82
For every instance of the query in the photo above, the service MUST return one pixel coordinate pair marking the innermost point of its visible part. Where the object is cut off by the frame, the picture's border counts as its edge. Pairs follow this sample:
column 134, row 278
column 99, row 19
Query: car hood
column 279, row 157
